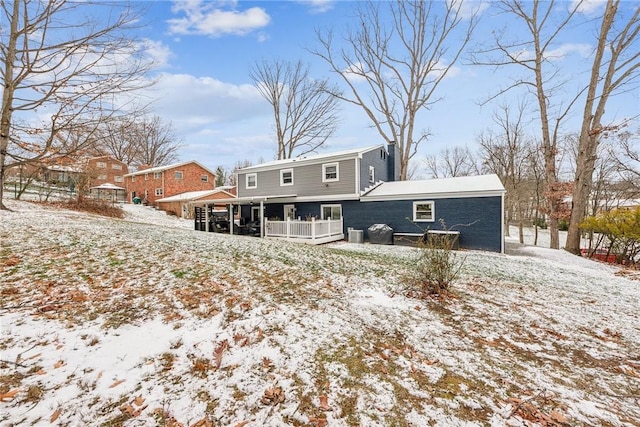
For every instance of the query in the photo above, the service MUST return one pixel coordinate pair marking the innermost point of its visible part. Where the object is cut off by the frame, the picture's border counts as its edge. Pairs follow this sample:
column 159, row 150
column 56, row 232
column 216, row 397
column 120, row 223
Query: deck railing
column 296, row 229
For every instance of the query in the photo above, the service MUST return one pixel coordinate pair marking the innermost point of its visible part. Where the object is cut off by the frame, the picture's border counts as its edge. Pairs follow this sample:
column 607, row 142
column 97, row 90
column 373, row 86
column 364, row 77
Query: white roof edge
column 167, row 167
column 276, row 164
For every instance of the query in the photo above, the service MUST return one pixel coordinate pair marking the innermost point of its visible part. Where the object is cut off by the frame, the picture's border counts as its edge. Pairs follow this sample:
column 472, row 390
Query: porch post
column 313, row 228
column 262, row 224
column 230, row 219
column 288, row 226
column 206, row 217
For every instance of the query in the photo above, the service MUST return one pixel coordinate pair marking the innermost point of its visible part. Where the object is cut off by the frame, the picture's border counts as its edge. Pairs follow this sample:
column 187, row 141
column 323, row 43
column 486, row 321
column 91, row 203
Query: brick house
column 161, row 182
column 106, row 170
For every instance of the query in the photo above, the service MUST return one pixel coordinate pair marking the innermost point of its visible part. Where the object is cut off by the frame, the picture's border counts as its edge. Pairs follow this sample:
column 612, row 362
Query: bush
column 98, row 207
column 540, row 223
column 437, row 265
column 563, row 225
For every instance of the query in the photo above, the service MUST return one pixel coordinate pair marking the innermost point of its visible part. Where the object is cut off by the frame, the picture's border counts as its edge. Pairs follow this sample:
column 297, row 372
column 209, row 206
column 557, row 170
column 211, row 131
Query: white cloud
column 587, row 6
column 469, row 8
column 157, row 51
column 318, row 6
column 209, row 18
column 561, row 52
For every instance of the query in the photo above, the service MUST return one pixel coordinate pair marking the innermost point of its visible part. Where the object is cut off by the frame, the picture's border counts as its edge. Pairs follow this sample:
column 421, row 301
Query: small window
column 158, row 191
column 157, row 175
column 118, row 179
column 383, row 154
column 204, row 178
column 331, row 212
column 116, row 166
column 372, row 174
column 102, row 177
column 146, row 177
column 133, row 178
column 252, row 180
column 177, row 175
column 423, row 211
column 101, row 165
column 330, row 172
column 286, row 177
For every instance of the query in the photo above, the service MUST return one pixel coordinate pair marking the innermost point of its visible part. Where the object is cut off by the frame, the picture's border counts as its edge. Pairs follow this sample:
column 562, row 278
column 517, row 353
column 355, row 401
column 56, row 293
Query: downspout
column 502, row 222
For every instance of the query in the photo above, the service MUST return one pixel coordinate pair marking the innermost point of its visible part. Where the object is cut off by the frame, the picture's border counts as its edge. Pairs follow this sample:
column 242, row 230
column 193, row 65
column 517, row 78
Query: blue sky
column 204, row 50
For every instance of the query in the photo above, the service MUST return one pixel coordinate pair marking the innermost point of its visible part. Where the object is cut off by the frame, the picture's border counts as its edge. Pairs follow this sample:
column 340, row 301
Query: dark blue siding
column 477, row 219
column 378, row 159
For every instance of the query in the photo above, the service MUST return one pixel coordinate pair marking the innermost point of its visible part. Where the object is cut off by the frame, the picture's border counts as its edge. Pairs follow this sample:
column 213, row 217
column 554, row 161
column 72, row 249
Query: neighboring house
column 106, row 170
column 317, row 199
column 161, row 182
column 183, row 204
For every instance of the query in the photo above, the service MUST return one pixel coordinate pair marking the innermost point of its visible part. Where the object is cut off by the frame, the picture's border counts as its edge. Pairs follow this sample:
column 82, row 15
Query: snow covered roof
column 193, row 195
column 107, row 186
column 312, row 159
column 168, row 167
column 464, row 186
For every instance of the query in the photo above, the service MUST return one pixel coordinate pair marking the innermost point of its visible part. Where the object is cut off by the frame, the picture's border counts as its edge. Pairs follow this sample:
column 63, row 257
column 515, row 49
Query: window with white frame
column 118, row 179
column 146, row 177
column 101, row 165
column 157, row 175
column 204, row 178
column 423, row 211
column 102, row 177
column 372, row 174
column 116, row 166
column 252, row 180
column 286, row 177
column 133, row 178
column 330, row 172
column 332, row 212
column 178, row 175
column 158, row 191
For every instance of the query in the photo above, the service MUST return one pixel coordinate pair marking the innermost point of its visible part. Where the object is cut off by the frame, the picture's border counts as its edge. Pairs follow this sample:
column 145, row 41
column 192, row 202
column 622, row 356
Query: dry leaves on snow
column 273, row 396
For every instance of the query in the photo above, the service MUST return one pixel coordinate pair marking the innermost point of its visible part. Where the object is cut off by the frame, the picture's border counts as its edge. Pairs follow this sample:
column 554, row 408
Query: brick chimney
column 143, row 167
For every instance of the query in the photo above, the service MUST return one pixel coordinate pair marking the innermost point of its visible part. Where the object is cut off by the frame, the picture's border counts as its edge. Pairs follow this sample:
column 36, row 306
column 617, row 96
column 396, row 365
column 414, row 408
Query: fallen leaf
column 242, row 423
column 55, row 415
column 558, row 417
column 58, row 364
column 324, row 403
column 138, row 401
column 116, row 384
column 219, row 351
column 202, row 423
column 318, row 422
column 9, row 395
column 273, row 396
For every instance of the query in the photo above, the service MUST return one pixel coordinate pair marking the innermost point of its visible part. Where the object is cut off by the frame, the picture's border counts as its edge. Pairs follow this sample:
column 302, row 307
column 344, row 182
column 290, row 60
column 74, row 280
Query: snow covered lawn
column 144, row 321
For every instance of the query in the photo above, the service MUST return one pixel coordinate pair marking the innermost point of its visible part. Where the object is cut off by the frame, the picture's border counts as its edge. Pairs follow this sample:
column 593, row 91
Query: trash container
column 137, row 200
column 356, row 236
column 380, row 234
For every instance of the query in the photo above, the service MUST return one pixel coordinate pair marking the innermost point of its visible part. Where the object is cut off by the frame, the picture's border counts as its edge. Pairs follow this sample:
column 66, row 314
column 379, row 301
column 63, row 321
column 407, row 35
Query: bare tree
column 541, row 24
column 155, row 141
column 305, row 110
column 506, row 154
column 616, row 64
column 394, row 73
column 115, row 138
column 57, row 64
column 625, row 153
column 459, row 161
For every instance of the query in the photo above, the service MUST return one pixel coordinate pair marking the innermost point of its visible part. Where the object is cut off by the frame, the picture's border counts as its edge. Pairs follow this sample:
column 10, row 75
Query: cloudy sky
column 205, row 49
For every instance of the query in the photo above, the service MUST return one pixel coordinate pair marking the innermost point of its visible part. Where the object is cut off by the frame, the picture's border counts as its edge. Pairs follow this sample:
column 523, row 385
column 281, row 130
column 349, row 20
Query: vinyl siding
column 376, row 159
column 307, row 181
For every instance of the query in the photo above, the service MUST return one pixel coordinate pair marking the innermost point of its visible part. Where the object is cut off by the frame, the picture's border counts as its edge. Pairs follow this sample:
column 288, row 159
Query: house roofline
column 167, row 167
column 320, row 158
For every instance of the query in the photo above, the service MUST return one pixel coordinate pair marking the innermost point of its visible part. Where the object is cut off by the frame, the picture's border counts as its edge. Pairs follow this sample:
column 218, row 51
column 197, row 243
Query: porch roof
column 243, row 200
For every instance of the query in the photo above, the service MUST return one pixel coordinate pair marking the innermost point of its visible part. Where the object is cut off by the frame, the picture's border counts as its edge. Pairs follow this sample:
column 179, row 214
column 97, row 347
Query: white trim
column 324, row 172
column 461, row 194
column 282, row 172
column 371, row 176
column 424, row 202
column 176, row 173
column 330, row 205
column 246, row 177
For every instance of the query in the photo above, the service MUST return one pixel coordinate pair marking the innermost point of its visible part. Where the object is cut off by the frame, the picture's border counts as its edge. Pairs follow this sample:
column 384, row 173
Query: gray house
column 317, row 199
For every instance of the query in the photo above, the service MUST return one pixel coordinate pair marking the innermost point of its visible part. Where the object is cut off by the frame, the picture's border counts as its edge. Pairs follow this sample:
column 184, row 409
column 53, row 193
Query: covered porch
column 242, row 211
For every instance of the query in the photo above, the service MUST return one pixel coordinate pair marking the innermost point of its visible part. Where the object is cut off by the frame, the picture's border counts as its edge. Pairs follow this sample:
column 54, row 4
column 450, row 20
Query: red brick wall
column 192, row 174
column 106, row 169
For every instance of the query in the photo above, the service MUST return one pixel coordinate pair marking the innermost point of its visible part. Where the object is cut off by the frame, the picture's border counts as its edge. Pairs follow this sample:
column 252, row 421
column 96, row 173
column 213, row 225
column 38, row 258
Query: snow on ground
column 145, row 321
